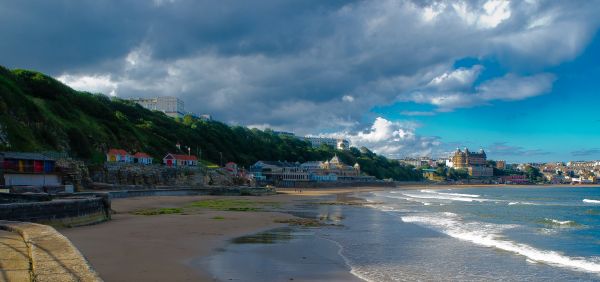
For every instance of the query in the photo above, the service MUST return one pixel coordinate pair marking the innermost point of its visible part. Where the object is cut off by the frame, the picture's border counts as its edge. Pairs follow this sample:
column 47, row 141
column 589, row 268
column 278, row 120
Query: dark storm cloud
column 57, row 36
column 306, row 66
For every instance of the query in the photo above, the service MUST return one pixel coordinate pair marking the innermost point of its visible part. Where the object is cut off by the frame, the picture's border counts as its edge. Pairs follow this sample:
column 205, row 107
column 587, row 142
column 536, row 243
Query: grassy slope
column 39, row 113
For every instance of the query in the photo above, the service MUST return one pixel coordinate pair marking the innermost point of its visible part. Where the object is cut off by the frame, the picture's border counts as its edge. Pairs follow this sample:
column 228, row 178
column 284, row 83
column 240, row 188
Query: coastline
column 464, row 186
column 165, row 247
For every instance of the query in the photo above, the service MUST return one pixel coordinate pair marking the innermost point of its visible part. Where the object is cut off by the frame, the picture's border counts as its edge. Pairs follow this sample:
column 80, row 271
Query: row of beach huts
column 170, row 159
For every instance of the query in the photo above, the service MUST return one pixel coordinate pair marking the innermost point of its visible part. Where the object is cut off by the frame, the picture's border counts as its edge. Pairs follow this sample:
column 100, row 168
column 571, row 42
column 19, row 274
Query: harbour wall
column 59, row 212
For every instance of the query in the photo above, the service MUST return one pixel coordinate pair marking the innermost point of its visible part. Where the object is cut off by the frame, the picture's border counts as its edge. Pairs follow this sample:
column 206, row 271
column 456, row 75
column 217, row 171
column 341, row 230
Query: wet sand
column 164, row 247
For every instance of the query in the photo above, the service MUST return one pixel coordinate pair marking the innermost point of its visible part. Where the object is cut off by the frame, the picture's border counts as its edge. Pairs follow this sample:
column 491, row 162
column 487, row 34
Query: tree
column 533, row 174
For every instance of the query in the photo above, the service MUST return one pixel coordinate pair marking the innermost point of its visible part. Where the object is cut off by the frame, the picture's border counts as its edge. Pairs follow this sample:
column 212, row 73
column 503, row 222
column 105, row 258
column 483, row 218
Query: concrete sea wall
column 6, row 198
column 65, row 212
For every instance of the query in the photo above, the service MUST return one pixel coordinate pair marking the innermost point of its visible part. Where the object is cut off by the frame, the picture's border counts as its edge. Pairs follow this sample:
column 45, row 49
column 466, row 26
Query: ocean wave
column 444, row 196
column 591, row 201
column 451, row 194
column 490, row 235
column 522, row 203
column 558, row 223
column 409, row 199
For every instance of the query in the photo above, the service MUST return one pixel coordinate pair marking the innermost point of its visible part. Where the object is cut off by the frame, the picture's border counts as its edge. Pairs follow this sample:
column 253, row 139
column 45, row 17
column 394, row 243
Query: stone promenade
column 14, row 257
column 35, row 252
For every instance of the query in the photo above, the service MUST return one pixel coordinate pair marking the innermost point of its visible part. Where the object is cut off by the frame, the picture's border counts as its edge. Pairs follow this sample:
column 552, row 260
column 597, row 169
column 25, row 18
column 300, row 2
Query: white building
column 171, row 106
column 338, row 143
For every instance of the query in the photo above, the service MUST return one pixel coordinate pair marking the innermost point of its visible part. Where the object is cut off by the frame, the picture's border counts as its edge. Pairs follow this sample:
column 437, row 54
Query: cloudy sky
column 405, row 78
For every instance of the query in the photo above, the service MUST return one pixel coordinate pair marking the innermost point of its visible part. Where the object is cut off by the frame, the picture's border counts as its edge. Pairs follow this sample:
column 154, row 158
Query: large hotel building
column 474, row 162
column 171, row 106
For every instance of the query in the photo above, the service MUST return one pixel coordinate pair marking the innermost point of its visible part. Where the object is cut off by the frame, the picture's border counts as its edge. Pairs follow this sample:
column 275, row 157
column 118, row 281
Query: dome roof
column 335, row 160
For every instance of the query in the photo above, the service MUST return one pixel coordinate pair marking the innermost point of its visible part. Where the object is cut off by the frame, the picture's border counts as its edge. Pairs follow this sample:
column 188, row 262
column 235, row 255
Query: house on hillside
column 174, row 160
column 142, row 158
column 28, row 169
column 119, row 156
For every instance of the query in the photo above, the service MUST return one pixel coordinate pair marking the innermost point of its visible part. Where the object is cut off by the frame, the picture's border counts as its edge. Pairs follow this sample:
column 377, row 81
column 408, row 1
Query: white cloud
column 393, row 139
column 456, row 89
column 493, row 13
column 347, row 98
column 512, row 87
column 456, row 79
column 430, row 13
column 496, row 11
column 91, row 83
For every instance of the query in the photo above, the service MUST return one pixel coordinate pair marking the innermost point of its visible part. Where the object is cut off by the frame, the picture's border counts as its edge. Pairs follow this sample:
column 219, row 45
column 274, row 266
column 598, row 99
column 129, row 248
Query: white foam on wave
column 490, row 235
column 522, row 203
column 591, row 201
column 408, row 199
column 559, row 222
column 443, row 196
column 451, row 194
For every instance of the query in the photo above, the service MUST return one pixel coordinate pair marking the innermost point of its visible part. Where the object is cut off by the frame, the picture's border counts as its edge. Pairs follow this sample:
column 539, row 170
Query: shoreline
column 464, row 186
column 163, row 247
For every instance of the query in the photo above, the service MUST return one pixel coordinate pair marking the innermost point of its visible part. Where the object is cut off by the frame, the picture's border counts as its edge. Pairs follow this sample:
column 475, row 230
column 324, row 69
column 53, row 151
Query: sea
column 446, row 234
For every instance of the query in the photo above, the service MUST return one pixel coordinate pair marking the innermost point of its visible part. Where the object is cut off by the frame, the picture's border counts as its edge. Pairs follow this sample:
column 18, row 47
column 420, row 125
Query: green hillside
column 39, row 113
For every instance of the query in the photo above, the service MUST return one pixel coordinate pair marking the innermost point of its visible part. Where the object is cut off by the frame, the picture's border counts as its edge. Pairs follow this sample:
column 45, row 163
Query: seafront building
column 315, row 142
column 122, row 156
column 118, row 156
column 338, row 143
column 171, row 106
column 177, row 160
column 474, row 162
column 418, row 162
column 288, row 174
column 28, row 169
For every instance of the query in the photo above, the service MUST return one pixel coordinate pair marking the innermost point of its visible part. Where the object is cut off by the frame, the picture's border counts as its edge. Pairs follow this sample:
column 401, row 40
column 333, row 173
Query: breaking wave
column 490, row 235
column 558, row 223
column 431, row 194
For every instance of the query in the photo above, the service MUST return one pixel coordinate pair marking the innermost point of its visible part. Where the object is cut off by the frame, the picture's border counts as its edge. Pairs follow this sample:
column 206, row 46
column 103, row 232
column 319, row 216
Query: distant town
column 473, row 167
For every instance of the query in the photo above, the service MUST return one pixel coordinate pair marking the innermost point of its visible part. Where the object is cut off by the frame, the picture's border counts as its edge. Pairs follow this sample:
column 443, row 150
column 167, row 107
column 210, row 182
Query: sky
column 519, row 79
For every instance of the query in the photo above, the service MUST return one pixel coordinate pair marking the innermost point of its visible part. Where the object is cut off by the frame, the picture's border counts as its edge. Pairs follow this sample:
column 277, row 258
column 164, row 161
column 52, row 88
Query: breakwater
column 58, row 212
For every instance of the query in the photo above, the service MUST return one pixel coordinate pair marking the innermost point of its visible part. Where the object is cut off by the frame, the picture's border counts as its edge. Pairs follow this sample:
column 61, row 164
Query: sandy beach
column 134, row 247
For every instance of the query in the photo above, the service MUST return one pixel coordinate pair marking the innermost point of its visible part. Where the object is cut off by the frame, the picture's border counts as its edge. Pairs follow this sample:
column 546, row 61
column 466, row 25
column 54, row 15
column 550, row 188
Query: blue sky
column 562, row 125
column 403, row 78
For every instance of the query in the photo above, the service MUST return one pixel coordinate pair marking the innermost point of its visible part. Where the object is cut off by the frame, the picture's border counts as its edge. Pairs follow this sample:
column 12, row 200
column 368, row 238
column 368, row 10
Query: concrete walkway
column 36, row 252
column 14, row 258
